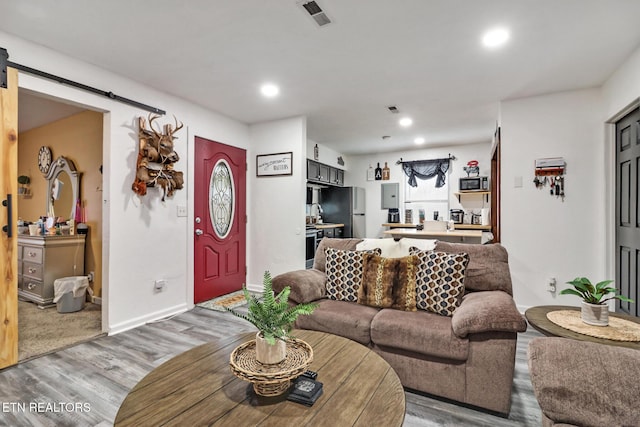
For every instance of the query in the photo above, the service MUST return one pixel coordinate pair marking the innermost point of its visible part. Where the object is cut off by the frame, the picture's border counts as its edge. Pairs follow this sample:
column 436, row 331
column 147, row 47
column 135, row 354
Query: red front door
column 220, row 219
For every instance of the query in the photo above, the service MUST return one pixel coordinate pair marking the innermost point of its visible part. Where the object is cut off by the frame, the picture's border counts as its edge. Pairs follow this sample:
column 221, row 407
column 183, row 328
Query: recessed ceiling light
column 495, row 37
column 269, row 90
column 419, row 140
column 405, row 122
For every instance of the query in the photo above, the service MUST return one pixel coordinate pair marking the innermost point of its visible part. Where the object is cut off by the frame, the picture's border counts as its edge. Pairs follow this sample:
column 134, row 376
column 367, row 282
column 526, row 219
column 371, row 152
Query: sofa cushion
column 440, row 280
column 585, row 383
column 488, row 311
column 344, row 273
column 392, row 248
column 389, row 282
column 319, row 260
column 306, row 285
column 420, row 332
column 488, row 268
column 342, row 318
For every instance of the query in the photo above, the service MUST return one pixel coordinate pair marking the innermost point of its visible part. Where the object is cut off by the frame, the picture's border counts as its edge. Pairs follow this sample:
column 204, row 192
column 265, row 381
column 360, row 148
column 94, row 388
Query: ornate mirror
column 63, row 188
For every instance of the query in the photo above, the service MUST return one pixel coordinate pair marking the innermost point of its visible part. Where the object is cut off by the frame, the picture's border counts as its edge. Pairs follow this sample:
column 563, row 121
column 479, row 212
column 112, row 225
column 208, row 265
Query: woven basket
column 270, row 380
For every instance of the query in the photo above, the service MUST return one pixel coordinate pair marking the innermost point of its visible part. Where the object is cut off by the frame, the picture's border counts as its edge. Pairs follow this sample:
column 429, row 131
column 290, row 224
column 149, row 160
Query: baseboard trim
column 96, row 300
column 255, row 288
column 148, row 318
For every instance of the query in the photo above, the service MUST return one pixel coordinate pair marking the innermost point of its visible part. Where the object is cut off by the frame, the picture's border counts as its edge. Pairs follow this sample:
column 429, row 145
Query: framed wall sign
column 274, row 164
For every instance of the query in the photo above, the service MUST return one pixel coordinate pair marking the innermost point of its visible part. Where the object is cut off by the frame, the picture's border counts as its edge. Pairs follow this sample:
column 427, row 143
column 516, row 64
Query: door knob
column 199, row 232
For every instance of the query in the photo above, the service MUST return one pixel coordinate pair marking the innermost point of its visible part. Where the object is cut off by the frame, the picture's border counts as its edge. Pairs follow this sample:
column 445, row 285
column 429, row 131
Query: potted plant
column 274, row 318
column 594, row 310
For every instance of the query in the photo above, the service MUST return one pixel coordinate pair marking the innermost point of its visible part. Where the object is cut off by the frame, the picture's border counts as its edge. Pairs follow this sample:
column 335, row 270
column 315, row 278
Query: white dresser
column 42, row 260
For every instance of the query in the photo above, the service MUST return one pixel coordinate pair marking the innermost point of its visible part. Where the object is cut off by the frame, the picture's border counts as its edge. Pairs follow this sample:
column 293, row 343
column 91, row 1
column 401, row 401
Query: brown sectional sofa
column 469, row 357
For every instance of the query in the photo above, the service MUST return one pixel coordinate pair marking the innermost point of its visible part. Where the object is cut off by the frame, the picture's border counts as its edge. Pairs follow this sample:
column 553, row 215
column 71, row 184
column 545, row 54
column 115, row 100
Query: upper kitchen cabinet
column 336, row 176
column 324, row 174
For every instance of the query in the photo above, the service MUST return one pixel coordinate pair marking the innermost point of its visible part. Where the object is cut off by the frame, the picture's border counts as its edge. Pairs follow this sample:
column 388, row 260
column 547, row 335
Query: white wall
column 144, row 240
column 277, row 203
column 376, row 216
column 546, row 237
column 623, row 87
column 326, row 155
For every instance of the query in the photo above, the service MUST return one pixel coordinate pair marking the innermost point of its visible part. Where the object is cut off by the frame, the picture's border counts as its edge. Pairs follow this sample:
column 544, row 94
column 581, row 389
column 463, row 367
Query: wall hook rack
column 550, row 171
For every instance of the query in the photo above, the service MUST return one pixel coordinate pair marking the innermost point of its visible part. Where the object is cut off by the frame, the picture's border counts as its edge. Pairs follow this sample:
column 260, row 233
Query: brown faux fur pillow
column 389, row 282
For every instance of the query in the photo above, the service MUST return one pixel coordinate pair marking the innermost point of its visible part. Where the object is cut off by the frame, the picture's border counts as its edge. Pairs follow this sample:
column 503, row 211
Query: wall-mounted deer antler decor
column 156, row 157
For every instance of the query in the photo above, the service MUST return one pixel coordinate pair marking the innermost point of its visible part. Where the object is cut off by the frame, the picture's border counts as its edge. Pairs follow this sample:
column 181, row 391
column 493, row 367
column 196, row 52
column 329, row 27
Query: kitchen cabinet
column 334, row 233
column 313, row 170
column 336, row 176
column 324, row 174
column 42, row 260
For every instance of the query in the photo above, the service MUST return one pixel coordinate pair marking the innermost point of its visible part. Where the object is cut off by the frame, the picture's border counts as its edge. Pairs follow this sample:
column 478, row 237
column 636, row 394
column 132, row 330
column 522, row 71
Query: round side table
column 537, row 317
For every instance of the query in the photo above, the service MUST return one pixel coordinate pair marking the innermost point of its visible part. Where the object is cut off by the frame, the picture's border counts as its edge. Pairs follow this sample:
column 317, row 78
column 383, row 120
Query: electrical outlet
column 551, row 285
column 159, row 285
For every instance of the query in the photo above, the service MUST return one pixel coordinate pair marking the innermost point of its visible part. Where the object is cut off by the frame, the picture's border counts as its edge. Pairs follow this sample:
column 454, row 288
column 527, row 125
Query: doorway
column 66, row 131
column 627, row 225
column 220, row 219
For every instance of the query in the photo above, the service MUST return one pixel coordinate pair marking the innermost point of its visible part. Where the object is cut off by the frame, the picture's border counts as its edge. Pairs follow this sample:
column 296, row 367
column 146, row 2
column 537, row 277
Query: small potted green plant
column 594, row 310
column 274, row 318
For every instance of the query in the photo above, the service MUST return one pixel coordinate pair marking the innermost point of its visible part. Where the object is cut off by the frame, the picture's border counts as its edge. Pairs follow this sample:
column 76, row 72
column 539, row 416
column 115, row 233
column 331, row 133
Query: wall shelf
column 486, row 194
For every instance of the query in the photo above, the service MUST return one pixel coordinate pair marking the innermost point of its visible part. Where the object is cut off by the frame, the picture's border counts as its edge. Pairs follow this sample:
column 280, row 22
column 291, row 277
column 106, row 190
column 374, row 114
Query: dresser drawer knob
column 30, row 286
column 32, row 270
column 31, row 254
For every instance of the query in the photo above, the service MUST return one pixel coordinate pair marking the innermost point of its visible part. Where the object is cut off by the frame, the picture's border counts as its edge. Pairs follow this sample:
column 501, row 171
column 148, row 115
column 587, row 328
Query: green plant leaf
column 272, row 314
column 593, row 294
column 571, row 292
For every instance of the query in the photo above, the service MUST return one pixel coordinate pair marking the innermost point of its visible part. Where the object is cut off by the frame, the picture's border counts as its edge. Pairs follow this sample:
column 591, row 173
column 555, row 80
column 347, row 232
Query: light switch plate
column 517, row 182
column 182, row 211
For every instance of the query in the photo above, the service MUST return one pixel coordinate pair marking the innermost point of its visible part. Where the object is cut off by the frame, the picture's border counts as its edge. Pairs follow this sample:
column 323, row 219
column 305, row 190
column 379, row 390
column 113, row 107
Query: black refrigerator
column 345, row 205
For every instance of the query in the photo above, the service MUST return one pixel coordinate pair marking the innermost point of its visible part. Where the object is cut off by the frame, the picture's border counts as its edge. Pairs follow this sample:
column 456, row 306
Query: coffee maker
column 457, row 216
column 393, row 216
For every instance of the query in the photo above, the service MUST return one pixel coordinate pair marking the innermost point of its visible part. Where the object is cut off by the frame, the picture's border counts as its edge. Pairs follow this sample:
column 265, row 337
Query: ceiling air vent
column 316, row 13
column 393, row 109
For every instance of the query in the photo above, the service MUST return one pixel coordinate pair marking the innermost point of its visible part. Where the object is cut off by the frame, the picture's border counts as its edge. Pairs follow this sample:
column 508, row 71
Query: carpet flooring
column 44, row 331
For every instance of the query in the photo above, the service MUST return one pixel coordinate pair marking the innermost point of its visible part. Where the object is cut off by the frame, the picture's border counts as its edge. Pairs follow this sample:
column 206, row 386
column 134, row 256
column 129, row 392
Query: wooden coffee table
column 537, row 317
column 197, row 387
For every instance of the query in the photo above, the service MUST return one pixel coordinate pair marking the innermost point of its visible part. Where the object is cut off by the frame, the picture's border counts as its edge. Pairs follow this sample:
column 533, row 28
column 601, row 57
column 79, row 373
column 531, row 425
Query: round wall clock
column 44, row 159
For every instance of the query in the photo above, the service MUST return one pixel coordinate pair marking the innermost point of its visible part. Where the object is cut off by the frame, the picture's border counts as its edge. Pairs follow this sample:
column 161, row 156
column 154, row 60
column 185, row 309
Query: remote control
column 310, row 374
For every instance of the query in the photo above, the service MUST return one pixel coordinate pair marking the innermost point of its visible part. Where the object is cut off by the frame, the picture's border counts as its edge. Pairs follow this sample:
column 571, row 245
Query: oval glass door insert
column 221, row 198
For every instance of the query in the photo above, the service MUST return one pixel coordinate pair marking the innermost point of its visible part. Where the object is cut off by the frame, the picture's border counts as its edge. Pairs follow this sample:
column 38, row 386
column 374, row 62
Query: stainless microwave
column 474, row 183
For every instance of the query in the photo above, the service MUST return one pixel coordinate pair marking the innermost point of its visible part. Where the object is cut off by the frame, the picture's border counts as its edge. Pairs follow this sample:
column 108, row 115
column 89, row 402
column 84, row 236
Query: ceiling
column 35, row 111
column 423, row 56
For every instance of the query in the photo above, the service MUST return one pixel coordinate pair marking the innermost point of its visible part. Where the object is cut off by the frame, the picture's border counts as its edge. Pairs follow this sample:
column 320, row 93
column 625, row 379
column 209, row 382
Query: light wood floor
column 85, row 384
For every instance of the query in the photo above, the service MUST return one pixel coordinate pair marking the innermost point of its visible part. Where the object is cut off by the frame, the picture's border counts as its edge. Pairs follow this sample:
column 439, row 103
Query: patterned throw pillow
column 389, row 282
column 440, row 280
column 344, row 273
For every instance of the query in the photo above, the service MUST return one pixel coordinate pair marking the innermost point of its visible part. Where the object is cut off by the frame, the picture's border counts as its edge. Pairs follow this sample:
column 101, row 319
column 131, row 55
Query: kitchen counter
column 457, row 226
column 458, row 236
column 324, row 226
